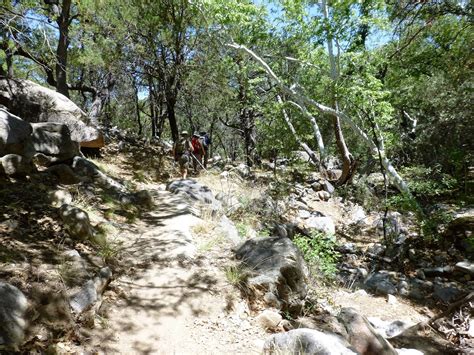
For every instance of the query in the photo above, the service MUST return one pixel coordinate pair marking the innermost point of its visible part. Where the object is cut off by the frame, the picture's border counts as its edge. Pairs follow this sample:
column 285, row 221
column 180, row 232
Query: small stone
column 391, row 299
column 269, row 319
column 420, row 274
column 60, row 197
column 304, row 214
column 361, row 292
column 466, row 267
column 363, row 273
column 323, row 195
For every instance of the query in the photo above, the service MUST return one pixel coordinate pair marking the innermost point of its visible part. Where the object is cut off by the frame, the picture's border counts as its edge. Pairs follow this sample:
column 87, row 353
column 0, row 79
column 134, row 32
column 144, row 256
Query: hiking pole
column 202, row 166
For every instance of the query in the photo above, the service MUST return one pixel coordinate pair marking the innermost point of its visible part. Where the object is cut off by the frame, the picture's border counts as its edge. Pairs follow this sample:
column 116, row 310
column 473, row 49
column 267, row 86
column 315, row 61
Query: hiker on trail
column 206, row 142
column 182, row 149
column 198, row 152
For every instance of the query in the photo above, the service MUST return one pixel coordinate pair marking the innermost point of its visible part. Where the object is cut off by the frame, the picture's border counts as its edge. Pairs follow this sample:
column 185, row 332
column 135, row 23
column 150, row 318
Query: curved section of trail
column 175, row 298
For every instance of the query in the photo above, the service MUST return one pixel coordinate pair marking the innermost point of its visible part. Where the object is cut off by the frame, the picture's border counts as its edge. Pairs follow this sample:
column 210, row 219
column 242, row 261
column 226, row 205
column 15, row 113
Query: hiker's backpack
column 206, row 140
column 197, row 146
column 180, row 147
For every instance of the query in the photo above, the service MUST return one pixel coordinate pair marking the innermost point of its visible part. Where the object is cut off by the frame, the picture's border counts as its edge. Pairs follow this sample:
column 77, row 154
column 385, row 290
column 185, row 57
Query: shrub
column 319, row 250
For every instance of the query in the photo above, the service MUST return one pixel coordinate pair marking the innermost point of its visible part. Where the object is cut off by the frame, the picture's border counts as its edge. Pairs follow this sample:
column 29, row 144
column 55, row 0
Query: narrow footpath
column 175, row 299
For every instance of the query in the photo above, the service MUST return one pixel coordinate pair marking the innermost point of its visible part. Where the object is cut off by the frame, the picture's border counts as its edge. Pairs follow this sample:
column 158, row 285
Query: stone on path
column 306, row 341
column 91, row 291
column 279, row 271
column 269, row 319
column 13, row 305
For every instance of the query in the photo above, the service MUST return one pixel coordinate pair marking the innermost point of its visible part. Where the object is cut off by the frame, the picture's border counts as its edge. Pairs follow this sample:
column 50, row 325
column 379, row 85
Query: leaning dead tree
column 312, row 156
column 306, row 101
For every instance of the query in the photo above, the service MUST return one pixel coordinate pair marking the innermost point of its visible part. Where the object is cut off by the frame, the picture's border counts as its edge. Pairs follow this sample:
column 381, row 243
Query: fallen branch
column 452, row 307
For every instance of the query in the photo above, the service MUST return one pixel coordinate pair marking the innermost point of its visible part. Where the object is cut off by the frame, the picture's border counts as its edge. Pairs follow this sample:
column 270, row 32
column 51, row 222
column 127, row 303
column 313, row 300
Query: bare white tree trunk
column 316, row 130
column 394, row 176
column 303, row 145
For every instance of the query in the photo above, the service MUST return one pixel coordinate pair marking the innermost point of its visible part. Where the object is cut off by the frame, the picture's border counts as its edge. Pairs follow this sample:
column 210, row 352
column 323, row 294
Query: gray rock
column 376, row 249
column 91, row 291
column 195, row 191
column 60, row 197
column 16, row 165
column 466, row 267
column 380, row 283
column 140, row 199
column 327, row 186
column 447, row 293
column 316, row 186
column 362, row 336
column 388, row 329
column 77, row 223
column 54, row 140
column 304, row 214
column 14, row 135
column 269, row 319
column 36, row 103
column 276, row 267
column 89, row 171
column 281, row 231
column 227, row 228
column 323, row 195
column 13, row 305
column 243, row 170
column 348, row 248
column 320, row 224
column 306, row 341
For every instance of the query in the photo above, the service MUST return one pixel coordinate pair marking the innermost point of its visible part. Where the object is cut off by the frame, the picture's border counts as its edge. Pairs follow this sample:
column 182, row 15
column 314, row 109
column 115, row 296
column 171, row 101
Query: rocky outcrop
column 14, row 135
column 278, row 272
column 35, row 103
column 54, row 141
column 306, row 341
column 13, row 305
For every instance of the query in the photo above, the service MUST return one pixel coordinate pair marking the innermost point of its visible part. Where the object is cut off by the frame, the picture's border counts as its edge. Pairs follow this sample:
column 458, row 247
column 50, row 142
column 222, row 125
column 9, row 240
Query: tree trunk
column 170, row 110
column 348, row 162
column 303, row 145
column 151, row 102
column 101, row 98
column 137, row 105
column 63, row 22
column 317, row 133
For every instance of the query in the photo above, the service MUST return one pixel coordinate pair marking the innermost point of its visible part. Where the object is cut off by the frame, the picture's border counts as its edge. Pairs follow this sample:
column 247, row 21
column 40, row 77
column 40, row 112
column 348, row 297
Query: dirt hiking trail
column 175, row 298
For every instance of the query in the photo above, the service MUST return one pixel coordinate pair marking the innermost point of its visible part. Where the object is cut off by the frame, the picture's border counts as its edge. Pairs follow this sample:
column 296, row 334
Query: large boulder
column 36, row 103
column 54, row 140
column 306, row 341
column 13, row 305
column 14, row 135
column 278, row 272
column 362, row 336
column 16, row 165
